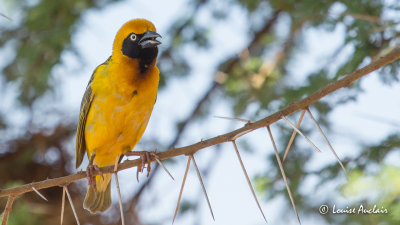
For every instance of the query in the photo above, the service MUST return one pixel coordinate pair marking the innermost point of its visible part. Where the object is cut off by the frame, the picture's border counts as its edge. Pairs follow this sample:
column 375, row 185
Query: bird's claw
column 91, row 168
column 145, row 157
column 92, row 178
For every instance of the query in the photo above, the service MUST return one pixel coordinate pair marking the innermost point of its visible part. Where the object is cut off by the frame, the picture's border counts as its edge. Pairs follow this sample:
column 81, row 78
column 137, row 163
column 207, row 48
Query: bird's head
column 137, row 40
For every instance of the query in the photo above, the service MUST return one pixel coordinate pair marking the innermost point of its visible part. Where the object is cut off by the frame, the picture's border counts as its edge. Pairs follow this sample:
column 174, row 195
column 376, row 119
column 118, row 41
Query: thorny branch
column 191, row 149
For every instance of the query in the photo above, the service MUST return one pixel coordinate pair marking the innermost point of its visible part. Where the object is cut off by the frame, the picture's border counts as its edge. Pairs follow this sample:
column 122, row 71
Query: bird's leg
column 90, row 169
column 145, row 156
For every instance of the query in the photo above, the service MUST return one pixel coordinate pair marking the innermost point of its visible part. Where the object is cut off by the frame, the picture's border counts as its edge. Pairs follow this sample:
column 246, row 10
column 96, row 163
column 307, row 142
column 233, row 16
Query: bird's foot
column 91, row 168
column 145, row 156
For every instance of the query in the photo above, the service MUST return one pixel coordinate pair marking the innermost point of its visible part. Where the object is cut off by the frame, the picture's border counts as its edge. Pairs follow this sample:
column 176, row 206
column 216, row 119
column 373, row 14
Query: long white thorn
column 121, row 209
column 38, row 193
column 293, row 135
column 327, row 141
column 283, row 173
column 237, row 119
column 233, row 119
column 72, row 205
column 62, row 206
column 181, row 191
column 298, row 131
column 248, row 180
column 165, row 168
column 202, row 186
column 241, row 134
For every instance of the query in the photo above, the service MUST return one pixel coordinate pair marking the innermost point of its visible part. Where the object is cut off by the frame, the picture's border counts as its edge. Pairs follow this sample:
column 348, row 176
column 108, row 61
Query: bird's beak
column 149, row 40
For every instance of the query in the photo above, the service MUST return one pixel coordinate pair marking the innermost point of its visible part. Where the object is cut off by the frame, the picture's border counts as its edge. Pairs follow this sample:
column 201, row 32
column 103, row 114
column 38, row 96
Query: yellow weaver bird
column 117, row 105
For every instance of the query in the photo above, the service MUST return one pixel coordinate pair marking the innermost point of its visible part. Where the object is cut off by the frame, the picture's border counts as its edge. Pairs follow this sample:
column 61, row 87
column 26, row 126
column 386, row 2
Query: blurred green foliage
column 38, row 48
column 21, row 214
column 258, row 74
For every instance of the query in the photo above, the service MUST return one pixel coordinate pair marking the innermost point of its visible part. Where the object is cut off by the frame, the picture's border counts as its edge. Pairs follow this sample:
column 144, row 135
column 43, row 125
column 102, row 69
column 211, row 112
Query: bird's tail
column 98, row 199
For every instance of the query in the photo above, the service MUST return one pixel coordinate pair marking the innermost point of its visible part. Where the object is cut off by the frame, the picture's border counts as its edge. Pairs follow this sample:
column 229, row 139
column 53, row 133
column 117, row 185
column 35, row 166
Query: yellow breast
column 122, row 105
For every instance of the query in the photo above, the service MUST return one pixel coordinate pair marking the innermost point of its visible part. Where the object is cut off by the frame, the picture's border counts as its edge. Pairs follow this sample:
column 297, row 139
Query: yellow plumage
column 117, row 104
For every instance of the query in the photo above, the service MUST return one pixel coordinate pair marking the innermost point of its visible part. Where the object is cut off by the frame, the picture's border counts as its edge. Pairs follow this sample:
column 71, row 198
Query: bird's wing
column 85, row 107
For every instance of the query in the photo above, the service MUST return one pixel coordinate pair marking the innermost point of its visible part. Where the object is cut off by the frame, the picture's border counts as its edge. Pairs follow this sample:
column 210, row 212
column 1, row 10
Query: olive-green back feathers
column 85, row 107
column 80, row 132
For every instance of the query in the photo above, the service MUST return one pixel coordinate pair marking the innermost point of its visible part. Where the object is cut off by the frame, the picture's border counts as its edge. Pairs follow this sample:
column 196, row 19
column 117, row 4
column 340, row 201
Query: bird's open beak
column 149, row 40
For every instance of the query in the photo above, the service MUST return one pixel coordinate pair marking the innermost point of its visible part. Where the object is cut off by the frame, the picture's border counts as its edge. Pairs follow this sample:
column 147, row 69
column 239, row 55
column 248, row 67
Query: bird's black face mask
column 142, row 47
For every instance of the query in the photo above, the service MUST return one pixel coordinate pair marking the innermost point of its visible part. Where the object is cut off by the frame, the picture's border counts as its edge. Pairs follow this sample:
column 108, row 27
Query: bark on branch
column 191, row 149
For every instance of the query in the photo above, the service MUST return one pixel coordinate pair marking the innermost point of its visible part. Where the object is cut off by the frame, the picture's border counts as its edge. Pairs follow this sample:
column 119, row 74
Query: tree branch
column 191, row 149
column 7, row 210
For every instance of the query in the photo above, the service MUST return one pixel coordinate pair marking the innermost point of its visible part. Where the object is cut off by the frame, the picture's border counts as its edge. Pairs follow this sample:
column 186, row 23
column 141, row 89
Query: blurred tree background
column 37, row 136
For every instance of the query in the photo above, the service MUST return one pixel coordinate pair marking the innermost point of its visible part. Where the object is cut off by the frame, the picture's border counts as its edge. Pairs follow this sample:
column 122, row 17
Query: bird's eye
column 133, row 37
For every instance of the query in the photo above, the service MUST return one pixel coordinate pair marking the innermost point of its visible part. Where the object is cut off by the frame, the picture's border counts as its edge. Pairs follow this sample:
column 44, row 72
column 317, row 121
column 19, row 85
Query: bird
column 116, row 107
